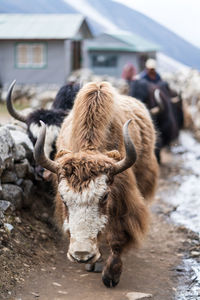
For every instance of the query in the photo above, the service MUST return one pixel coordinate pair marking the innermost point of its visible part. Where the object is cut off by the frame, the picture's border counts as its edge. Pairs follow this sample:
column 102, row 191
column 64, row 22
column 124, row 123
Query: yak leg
column 112, row 270
column 113, row 267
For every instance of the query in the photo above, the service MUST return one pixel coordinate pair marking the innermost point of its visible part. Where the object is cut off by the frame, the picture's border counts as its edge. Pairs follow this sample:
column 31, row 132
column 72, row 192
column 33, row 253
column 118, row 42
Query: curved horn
column 158, row 99
column 131, row 154
column 10, row 107
column 39, row 154
column 155, row 110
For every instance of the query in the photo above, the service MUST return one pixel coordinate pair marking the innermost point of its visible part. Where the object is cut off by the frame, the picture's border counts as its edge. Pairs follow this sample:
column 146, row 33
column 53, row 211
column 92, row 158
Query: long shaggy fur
column 93, row 134
column 170, row 119
column 65, row 97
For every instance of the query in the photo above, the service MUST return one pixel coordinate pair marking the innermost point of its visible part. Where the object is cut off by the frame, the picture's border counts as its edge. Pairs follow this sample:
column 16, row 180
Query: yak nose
column 82, row 256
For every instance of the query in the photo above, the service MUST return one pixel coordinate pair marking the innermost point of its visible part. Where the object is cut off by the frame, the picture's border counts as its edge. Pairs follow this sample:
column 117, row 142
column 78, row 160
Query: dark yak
column 52, row 117
column 165, row 107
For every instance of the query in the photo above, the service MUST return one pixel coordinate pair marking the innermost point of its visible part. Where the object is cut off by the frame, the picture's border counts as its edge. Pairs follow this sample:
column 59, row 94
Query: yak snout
column 83, row 251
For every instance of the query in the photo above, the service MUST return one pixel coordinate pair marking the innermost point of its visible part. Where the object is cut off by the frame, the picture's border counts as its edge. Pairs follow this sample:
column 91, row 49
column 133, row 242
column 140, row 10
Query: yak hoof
column 109, row 282
column 89, row 267
column 112, row 271
column 96, row 267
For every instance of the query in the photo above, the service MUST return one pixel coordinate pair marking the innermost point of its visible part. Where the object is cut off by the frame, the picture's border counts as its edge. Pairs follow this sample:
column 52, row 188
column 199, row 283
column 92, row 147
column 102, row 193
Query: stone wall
column 17, row 172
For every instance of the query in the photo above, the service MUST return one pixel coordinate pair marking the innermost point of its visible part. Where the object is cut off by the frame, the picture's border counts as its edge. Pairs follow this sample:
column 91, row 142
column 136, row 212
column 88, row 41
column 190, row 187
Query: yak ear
column 114, row 154
column 68, row 170
column 62, row 152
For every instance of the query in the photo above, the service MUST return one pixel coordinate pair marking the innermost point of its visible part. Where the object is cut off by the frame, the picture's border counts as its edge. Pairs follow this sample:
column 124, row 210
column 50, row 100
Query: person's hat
column 150, row 63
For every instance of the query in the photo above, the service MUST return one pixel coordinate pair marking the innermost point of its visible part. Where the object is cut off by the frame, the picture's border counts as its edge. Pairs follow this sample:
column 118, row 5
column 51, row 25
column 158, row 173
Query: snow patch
column 189, row 288
column 186, row 198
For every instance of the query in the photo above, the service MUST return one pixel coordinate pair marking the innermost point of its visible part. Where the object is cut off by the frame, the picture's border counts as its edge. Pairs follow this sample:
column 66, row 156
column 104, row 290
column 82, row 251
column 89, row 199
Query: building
column 110, row 52
column 41, row 48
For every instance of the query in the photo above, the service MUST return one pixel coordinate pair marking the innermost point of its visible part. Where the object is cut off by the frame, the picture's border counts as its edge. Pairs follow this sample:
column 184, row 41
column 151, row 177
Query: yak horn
column 131, row 154
column 39, row 154
column 155, row 110
column 158, row 99
column 10, row 107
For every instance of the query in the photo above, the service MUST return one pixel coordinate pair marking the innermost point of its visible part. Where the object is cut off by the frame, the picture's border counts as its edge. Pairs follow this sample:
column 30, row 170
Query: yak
column 65, row 97
column 52, row 117
column 166, row 113
column 105, row 173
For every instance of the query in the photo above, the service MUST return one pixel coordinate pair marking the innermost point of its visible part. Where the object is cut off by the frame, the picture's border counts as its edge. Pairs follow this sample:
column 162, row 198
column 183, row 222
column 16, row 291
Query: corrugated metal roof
column 132, row 43
column 40, row 26
column 137, row 42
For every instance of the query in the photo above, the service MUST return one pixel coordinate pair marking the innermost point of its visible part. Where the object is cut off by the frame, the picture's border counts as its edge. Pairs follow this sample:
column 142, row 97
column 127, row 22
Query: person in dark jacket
column 150, row 73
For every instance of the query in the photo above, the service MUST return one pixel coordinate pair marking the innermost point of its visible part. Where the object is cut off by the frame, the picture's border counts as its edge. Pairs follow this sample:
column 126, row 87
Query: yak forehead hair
column 52, row 132
column 84, row 219
column 92, row 115
column 82, row 167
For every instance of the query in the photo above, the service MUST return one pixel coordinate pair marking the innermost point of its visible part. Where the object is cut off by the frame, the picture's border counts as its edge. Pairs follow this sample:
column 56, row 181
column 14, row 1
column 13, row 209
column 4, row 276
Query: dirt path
column 151, row 269
column 36, row 266
column 148, row 270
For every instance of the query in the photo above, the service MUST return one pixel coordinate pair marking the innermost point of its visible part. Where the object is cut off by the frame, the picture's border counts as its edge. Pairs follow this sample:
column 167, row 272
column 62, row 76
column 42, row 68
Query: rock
column 6, row 149
column 19, row 153
column 44, row 237
column 27, row 187
column 1, row 218
column 44, row 217
column 195, row 253
column 4, row 205
column 56, row 284
column 9, row 177
column 24, row 169
column 62, row 292
column 137, row 295
column 18, row 220
column 14, row 127
column 19, row 181
column 46, row 96
column 13, row 194
column 9, row 228
column 21, row 138
column 37, row 295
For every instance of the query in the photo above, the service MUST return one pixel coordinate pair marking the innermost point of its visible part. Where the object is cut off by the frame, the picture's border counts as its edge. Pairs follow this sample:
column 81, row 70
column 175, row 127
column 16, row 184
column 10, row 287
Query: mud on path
column 34, row 263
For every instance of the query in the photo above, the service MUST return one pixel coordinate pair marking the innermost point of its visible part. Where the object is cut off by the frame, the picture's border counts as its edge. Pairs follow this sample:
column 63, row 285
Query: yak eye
column 104, row 198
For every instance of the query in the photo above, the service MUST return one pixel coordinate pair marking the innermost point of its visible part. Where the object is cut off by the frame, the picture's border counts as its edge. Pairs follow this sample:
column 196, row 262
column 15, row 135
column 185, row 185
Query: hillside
column 35, row 6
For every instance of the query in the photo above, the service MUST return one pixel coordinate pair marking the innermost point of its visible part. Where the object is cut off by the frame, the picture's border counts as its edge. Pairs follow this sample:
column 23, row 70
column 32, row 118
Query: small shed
column 108, row 53
column 41, row 48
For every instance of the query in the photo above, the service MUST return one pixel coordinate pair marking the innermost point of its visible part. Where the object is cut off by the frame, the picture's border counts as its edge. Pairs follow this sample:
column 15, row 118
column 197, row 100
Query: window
column 31, row 55
column 104, row 60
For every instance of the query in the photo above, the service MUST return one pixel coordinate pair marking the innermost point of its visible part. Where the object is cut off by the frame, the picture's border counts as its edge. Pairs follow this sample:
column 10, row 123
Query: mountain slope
column 128, row 19
column 35, row 6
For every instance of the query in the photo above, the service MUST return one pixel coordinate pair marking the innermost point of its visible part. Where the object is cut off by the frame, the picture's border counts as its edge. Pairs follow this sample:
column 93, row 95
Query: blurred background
column 148, row 49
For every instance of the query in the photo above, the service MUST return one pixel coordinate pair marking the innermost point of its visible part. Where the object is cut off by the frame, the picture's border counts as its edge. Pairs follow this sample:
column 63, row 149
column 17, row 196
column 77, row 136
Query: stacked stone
column 35, row 96
column 16, row 169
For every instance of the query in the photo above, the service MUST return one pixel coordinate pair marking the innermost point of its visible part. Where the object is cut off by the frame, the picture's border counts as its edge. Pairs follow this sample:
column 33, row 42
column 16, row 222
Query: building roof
column 122, row 41
column 43, row 26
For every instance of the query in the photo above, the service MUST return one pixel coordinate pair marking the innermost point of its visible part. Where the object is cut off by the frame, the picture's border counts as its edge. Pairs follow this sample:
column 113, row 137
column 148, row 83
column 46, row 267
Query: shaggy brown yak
column 97, row 191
